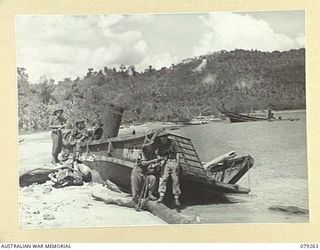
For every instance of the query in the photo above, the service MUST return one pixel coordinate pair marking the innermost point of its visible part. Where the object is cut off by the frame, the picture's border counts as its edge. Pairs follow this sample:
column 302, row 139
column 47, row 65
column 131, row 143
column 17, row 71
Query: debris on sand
column 58, row 209
column 289, row 209
column 28, row 189
column 49, row 217
column 113, row 187
column 47, row 190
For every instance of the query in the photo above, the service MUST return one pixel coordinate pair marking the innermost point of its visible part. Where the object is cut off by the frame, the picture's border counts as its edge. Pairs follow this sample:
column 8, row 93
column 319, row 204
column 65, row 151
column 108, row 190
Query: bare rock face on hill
column 238, row 80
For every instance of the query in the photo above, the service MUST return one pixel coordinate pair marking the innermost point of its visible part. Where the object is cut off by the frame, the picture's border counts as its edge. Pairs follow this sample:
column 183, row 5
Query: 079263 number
column 310, row 246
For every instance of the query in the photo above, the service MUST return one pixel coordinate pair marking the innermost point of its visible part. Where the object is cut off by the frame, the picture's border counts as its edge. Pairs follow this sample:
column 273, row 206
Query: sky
column 66, row 46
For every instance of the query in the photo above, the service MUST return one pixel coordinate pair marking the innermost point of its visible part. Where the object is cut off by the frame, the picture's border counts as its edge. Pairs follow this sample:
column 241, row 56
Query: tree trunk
column 159, row 209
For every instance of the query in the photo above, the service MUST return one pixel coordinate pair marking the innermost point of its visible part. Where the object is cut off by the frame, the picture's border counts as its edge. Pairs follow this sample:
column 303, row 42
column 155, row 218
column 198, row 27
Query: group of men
column 143, row 180
column 143, row 174
column 77, row 135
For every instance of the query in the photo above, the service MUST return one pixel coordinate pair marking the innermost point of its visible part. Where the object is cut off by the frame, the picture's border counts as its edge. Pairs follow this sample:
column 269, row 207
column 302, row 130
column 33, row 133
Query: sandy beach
column 42, row 206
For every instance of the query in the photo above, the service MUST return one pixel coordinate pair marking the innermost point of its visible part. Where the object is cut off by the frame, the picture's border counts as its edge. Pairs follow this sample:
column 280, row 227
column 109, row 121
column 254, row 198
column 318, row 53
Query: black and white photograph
column 156, row 119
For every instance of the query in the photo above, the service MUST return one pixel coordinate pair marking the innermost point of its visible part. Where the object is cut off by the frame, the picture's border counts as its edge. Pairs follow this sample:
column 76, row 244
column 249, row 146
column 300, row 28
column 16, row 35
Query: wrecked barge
column 113, row 157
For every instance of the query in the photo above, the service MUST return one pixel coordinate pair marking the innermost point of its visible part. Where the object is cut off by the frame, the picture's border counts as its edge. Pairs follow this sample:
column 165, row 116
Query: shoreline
column 123, row 127
column 165, row 123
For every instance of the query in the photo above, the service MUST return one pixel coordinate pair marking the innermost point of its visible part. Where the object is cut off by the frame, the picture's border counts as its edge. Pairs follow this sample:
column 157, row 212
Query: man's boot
column 77, row 156
column 54, row 160
column 151, row 196
column 176, row 200
column 160, row 200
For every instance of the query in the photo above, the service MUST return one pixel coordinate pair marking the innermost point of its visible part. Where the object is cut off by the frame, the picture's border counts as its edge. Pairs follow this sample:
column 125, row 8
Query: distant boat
column 196, row 121
column 237, row 117
column 209, row 118
column 201, row 119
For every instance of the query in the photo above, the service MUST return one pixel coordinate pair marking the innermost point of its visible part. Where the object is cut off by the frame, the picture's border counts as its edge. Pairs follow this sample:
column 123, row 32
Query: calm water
column 279, row 175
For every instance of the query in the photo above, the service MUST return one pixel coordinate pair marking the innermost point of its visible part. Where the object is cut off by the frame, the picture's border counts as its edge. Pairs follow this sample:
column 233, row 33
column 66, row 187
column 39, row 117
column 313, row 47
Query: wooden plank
column 247, row 164
column 193, row 164
column 183, row 142
column 191, row 155
column 221, row 168
column 199, row 159
column 190, row 148
column 190, row 165
column 185, row 146
column 187, row 142
column 187, row 150
column 193, row 160
column 194, row 173
column 194, row 155
column 181, row 138
column 189, row 158
column 195, row 152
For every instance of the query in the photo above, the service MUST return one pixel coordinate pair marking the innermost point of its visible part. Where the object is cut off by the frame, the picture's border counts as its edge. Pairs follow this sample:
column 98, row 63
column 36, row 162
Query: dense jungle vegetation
column 238, row 80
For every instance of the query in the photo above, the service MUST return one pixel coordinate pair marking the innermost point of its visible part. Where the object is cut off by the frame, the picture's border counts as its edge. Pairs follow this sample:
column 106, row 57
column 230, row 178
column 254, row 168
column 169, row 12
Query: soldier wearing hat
column 80, row 135
column 142, row 173
column 168, row 150
column 57, row 122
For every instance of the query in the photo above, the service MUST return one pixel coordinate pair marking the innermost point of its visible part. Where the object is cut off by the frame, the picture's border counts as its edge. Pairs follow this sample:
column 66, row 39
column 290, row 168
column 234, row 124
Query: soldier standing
column 80, row 136
column 168, row 149
column 57, row 122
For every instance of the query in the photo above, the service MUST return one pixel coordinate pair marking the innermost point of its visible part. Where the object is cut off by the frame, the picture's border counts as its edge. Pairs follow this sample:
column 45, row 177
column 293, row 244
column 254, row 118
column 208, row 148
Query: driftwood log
column 159, row 209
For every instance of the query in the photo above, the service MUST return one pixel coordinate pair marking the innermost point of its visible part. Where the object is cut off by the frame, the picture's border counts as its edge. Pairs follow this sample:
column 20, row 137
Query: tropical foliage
column 239, row 80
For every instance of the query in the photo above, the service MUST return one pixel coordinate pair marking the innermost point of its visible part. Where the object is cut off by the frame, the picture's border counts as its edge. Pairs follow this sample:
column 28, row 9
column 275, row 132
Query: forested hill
column 238, row 80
